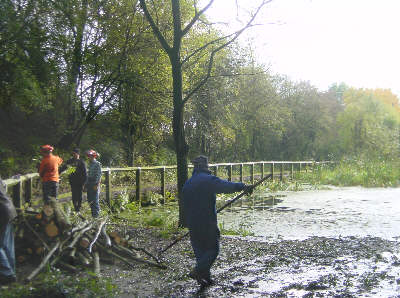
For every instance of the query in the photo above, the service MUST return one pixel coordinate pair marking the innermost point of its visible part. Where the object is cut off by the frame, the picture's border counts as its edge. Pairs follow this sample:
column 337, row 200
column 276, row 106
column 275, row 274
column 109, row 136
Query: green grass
column 241, row 231
column 54, row 284
column 367, row 173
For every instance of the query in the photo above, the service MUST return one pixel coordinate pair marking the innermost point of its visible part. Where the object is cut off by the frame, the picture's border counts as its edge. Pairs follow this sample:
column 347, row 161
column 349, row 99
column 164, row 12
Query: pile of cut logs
column 50, row 236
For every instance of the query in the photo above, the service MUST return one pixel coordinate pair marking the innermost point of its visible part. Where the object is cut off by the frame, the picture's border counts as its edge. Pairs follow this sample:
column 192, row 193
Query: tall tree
column 174, row 50
column 369, row 124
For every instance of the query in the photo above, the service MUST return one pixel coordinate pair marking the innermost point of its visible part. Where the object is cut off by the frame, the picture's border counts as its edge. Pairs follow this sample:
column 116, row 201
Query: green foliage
column 170, row 197
column 351, row 172
column 369, row 124
column 154, row 221
column 54, row 284
column 163, row 218
column 241, row 231
column 133, row 206
column 121, row 201
column 151, row 198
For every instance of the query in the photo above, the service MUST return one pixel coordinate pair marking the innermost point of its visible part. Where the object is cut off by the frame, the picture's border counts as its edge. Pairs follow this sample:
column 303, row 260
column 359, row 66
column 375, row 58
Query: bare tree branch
column 153, row 25
column 196, row 17
column 205, row 46
column 213, row 53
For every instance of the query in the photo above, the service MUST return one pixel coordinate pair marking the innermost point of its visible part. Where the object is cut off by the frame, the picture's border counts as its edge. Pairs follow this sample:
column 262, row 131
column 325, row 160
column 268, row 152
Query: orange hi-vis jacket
column 48, row 169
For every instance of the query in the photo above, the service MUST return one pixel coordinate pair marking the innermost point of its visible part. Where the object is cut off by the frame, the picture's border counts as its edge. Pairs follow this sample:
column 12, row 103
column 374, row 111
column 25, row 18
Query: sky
column 325, row 41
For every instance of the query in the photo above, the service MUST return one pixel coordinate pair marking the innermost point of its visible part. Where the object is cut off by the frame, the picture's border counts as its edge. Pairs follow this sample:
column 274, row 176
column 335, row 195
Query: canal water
column 336, row 212
column 341, row 242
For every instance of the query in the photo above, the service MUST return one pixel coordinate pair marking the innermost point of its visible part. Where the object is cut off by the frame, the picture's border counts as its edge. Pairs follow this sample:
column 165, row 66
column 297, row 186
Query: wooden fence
column 20, row 187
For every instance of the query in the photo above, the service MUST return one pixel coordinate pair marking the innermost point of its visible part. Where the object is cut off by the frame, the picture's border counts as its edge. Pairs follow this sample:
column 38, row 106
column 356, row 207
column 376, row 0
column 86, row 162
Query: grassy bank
column 367, row 173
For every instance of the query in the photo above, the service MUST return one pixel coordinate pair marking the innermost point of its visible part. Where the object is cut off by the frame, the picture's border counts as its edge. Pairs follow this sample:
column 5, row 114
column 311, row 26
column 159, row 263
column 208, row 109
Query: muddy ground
column 316, row 267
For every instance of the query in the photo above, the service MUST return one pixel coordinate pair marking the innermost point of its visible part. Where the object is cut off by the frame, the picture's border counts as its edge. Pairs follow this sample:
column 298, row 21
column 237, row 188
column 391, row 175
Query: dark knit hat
column 200, row 162
column 76, row 150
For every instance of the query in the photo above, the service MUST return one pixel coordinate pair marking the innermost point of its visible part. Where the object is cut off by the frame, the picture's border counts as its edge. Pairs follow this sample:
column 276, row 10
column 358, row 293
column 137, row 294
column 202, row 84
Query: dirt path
column 324, row 267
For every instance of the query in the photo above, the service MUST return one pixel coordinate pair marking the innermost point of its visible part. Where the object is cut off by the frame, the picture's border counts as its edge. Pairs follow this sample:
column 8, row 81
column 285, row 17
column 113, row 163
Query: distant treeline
column 92, row 74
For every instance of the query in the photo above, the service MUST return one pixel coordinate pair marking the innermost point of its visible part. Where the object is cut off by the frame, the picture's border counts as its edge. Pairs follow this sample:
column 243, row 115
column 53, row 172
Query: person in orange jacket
column 48, row 171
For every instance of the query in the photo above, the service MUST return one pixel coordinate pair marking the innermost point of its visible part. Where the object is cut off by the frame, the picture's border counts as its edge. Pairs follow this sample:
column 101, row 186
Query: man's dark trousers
column 77, row 190
column 50, row 189
column 205, row 242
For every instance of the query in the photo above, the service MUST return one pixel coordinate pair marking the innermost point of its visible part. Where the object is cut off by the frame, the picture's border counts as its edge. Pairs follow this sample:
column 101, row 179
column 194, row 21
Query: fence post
column 291, row 171
column 28, row 190
column 163, row 185
column 16, row 194
column 230, row 173
column 252, row 174
column 138, row 188
column 108, row 187
column 299, row 167
column 272, row 171
column 241, row 172
column 262, row 170
column 216, row 171
column 281, row 173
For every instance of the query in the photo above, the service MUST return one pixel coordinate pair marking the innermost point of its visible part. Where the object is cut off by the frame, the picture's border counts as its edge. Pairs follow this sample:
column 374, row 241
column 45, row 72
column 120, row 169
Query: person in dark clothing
column 200, row 216
column 77, row 177
column 93, row 182
column 7, row 253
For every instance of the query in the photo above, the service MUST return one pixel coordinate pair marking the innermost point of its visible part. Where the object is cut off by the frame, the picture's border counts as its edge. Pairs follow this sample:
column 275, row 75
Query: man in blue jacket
column 200, row 214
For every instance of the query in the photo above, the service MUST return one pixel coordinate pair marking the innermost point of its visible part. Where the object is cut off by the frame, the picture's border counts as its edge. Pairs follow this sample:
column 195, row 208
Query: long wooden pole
column 219, row 210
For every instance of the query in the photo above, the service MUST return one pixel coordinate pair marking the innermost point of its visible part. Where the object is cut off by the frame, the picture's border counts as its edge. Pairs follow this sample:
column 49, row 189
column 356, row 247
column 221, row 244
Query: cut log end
column 51, row 230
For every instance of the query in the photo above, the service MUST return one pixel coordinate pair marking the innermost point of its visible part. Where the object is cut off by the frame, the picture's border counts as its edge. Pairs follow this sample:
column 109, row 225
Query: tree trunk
column 130, row 150
column 181, row 146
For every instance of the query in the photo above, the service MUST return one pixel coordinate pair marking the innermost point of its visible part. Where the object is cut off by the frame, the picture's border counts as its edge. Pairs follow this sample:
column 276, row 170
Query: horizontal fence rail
column 20, row 187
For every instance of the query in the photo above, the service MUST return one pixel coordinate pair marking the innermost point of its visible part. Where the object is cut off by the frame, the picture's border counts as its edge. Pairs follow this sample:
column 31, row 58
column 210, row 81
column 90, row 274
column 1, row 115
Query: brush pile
column 50, row 236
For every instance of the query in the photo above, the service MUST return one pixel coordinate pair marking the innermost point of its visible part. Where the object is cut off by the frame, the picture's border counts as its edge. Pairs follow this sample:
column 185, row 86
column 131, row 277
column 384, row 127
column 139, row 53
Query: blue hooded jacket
column 199, row 197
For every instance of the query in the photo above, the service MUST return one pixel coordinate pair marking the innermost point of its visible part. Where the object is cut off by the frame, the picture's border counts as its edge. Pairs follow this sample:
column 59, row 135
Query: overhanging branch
column 153, row 25
column 211, row 59
column 196, row 17
column 205, row 46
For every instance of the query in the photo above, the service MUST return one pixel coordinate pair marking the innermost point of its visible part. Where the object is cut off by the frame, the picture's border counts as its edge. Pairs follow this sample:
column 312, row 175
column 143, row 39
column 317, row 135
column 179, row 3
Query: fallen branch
column 143, row 250
column 36, row 234
column 96, row 263
column 82, row 259
column 77, row 228
column 67, row 266
column 79, row 235
column 110, row 252
column 97, row 235
column 44, row 261
column 61, row 218
column 133, row 257
column 106, row 237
